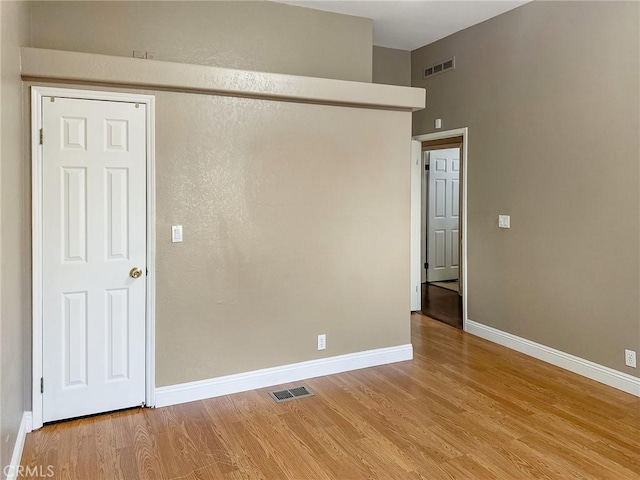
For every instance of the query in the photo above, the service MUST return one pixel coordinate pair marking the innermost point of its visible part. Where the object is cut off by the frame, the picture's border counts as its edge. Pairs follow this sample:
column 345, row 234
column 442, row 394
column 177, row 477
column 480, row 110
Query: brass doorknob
column 135, row 272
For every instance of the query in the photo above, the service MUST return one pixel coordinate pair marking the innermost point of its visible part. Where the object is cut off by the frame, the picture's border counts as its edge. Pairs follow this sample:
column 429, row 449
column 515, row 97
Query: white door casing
column 416, row 193
column 94, row 211
column 423, row 216
column 443, row 216
column 417, row 207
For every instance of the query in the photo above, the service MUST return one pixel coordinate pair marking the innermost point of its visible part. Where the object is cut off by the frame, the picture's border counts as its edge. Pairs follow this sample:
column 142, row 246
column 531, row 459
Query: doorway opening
column 440, row 176
column 440, row 232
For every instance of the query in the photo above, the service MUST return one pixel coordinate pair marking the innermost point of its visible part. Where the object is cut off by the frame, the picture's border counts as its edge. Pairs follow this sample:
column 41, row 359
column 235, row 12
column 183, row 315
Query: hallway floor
column 442, row 304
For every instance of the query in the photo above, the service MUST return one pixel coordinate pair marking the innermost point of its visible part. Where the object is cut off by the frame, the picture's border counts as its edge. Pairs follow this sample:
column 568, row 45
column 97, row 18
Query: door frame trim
column 417, row 206
column 37, row 92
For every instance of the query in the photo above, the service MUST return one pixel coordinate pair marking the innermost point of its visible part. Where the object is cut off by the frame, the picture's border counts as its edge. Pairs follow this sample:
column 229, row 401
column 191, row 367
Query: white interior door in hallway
column 93, row 256
column 443, row 238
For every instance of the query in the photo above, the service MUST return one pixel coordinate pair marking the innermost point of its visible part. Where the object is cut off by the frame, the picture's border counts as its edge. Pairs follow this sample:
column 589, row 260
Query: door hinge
column 41, row 137
column 426, row 265
column 426, row 167
column 41, row 385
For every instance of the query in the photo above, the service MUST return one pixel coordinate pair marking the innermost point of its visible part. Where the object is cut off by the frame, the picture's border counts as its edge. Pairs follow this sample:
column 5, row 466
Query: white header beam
column 89, row 68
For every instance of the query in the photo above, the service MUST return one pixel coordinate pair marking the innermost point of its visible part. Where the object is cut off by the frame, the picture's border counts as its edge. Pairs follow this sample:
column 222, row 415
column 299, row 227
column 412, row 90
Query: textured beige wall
column 278, row 220
column 550, row 93
column 284, row 205
column 296, row 223
column 391, row 66
column 280, row 229
column 14, row 251
column 261, row 36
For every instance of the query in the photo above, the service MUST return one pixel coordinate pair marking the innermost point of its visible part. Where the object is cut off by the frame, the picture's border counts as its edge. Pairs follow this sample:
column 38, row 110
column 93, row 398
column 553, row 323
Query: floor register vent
column 291, row 394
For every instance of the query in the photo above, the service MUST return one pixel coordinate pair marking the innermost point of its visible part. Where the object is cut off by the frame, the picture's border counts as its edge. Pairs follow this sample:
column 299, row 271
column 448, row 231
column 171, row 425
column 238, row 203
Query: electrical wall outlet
column 322, row 342
column 630, row 358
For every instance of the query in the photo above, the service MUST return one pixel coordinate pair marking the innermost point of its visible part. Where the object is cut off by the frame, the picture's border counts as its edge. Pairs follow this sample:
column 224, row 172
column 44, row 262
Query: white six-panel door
column 443, row 218
column 94, row 234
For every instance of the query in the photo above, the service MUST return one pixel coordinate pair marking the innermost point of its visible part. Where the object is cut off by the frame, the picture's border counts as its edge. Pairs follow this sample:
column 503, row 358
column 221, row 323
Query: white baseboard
column 25, row 427
column 599, row 373
column 215, row 387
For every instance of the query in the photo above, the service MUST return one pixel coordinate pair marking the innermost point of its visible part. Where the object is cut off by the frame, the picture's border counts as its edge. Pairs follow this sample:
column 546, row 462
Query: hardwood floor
column 442, row 305
column 464, row 408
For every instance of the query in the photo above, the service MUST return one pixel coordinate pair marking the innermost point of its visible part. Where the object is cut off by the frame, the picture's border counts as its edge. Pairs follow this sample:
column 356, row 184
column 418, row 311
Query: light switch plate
column 176, row 233
column 504, row 221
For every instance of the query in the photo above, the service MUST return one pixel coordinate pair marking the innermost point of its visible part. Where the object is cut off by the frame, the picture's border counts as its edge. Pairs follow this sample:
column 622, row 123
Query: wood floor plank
column 464, row 408
column 467, row 467
column 566, row 452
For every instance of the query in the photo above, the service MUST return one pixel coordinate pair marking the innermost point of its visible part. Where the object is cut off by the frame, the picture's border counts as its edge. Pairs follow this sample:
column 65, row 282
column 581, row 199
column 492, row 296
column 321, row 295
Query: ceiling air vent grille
column 291, row 394
column 439, row 68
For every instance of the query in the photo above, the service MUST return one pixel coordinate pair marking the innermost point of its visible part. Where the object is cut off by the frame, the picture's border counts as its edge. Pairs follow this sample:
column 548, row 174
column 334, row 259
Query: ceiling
column 410, row 24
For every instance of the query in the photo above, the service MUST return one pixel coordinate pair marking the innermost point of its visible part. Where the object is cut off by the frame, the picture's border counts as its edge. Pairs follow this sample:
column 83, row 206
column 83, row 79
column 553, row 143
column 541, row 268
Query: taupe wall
column 280, row 227
column 391, row 66
column 550, row 93
column 261, row 36
column 278, row 217
column 14, row 252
